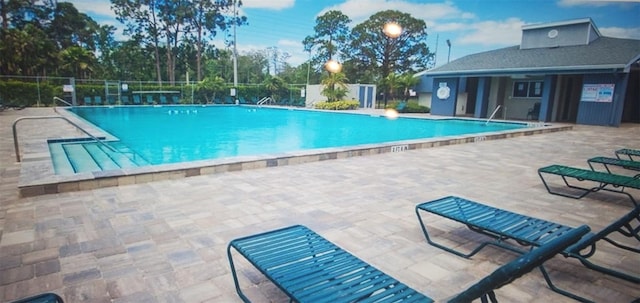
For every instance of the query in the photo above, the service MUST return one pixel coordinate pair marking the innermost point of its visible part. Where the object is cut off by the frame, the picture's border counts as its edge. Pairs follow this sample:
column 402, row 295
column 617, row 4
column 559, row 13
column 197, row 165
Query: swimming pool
column 162, row 135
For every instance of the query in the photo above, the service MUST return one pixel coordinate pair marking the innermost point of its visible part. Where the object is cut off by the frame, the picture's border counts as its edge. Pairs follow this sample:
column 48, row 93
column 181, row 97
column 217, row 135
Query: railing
column 15, row 132
column 264, row 100
column 493, row 114
column 61, row 100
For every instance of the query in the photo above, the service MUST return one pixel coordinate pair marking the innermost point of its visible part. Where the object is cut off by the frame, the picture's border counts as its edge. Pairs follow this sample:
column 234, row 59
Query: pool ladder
column 264, row 100
column 492, row 115
column 15, row 132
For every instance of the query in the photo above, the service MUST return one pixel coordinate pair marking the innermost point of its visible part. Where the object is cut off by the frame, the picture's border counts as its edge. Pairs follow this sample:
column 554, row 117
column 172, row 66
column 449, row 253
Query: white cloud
column 507, row 32
column 596, row 3
column 360, row 10
column 102, row 8
column 619, row 32
column 268, row 4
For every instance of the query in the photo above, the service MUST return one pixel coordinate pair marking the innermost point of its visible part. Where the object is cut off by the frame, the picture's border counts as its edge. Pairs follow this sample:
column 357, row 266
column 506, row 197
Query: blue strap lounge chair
column 606, row 162
column 150, row 100
column 42, row 298
column 504, row 227
column 309, row 268
column 97, row 100
column 633, row 154
column 603, row 181
column 136, row 100
column 124, row 100
column 175, row 99
column 87, row 101
column 163, row 100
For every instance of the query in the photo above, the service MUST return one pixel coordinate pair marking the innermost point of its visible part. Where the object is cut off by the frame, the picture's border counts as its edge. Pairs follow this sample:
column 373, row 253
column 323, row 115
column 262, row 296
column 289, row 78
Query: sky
column 471, row 26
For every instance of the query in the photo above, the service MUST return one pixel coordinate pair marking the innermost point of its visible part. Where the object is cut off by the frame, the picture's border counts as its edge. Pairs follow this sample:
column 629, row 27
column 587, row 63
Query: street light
column 333, row 66
column 449, row 45
column 392, row 30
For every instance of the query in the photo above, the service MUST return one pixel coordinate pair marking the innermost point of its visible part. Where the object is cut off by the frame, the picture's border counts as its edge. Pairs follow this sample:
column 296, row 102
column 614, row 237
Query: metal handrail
column 264, row 100
column 15, row 132
column 492, row 115
column 62, row 100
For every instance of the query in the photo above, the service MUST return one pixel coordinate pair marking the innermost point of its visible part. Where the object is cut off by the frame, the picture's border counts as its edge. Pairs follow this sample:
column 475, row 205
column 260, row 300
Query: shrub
column 410, row 107
column 338, row 105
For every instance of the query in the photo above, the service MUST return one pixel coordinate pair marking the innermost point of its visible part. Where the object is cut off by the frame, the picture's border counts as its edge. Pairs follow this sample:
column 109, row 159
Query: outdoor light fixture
column 333, row 66
column 392, row 29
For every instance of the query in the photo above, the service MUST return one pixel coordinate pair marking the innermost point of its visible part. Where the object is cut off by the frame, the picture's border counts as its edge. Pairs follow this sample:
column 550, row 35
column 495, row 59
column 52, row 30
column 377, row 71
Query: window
column 527, row 89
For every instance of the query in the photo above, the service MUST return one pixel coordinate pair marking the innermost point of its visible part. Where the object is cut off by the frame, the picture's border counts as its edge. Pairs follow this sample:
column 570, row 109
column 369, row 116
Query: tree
column 143, row 23
column 331, row 38
column 210, row 87
column 374, row 51
column 77, row 62
column 335, row 86
column 405, row 83
column 275, row 85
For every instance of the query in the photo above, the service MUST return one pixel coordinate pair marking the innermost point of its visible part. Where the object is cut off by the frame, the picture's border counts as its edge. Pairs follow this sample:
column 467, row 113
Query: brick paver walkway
column 166, row 241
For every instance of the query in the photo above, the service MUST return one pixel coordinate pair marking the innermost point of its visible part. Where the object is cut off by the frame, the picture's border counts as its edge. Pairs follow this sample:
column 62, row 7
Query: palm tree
column 274, row 85
column 77, row 61
column 335, row 86
column 406, row 82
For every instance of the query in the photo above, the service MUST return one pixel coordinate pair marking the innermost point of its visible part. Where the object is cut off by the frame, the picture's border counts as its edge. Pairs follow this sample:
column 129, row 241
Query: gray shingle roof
column 602, row 53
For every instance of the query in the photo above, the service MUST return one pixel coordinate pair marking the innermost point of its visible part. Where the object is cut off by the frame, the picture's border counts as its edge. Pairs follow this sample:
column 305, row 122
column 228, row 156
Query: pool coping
column 37, row 175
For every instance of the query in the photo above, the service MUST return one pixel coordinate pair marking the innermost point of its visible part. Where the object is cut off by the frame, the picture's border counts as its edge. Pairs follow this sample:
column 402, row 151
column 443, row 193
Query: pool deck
column 165, row 240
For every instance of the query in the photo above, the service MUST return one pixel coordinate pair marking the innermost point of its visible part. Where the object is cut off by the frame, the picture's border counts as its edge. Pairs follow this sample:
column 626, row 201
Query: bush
column 338, row 105
column 410, row 107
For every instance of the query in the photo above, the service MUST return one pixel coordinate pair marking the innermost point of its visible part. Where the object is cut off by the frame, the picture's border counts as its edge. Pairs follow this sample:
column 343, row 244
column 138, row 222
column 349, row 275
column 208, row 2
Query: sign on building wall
column 597, row 92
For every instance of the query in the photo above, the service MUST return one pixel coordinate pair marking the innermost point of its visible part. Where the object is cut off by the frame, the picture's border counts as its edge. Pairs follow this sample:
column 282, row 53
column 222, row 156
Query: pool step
column 78, row 157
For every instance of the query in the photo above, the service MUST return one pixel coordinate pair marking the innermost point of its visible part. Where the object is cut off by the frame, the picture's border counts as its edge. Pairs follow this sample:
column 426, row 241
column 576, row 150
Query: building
column 561, row 72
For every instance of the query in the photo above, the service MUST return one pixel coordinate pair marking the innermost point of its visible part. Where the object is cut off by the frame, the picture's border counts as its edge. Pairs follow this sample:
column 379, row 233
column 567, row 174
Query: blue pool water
column 178, row 134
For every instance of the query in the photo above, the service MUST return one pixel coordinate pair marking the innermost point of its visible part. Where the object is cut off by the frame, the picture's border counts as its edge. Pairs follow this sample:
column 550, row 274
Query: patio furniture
column 501, row 226
column 605, row 181
column 308, row 267
column 97, row 100
column 136, row 100
column 87, row 101
column 534, row 112
column 633, row 154
column 42, row 298
column 175, row 99
column 606, row 162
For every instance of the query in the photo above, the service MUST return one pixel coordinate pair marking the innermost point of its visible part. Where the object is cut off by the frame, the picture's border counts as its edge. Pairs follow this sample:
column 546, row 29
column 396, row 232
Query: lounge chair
column 605, row 181
column 163, row 100
column 42, row 298
column 150, row 100
column 308, row 267
column 97, row 100
column 175, row 99
column 136, row 100
column 87, row 101
column 124, row 100
column 501, row 226
column 633, row 154
column 606, row 162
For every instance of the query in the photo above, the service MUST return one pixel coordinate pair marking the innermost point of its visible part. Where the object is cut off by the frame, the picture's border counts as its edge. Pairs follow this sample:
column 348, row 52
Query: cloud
column 619, row 32
column 507, row 32
column 270, row 4
column 102, row 8
column 594, row 3
column 360, row 10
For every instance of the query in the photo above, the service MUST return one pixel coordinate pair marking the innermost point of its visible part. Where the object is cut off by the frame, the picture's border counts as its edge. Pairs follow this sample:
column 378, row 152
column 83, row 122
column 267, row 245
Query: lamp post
column 235, row 55
column 392, row 30
column 449, row 45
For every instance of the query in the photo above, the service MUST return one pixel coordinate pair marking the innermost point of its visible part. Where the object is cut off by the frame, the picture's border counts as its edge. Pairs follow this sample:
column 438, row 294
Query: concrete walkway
column 166, row 241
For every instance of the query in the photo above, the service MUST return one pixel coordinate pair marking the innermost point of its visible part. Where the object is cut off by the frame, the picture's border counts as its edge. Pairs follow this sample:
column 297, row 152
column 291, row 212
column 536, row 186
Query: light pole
column 392, row 30
column 449, row 55
column 235, row 54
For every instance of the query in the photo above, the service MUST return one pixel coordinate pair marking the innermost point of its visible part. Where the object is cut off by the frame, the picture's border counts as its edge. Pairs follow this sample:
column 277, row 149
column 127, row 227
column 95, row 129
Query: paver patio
column 166, row 241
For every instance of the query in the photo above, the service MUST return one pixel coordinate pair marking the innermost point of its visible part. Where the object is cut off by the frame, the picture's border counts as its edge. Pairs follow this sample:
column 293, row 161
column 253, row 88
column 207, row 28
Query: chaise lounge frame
column 502, row 225
column 310, row 268
column 606, row 162
column 606, row 181
column 633, row 154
